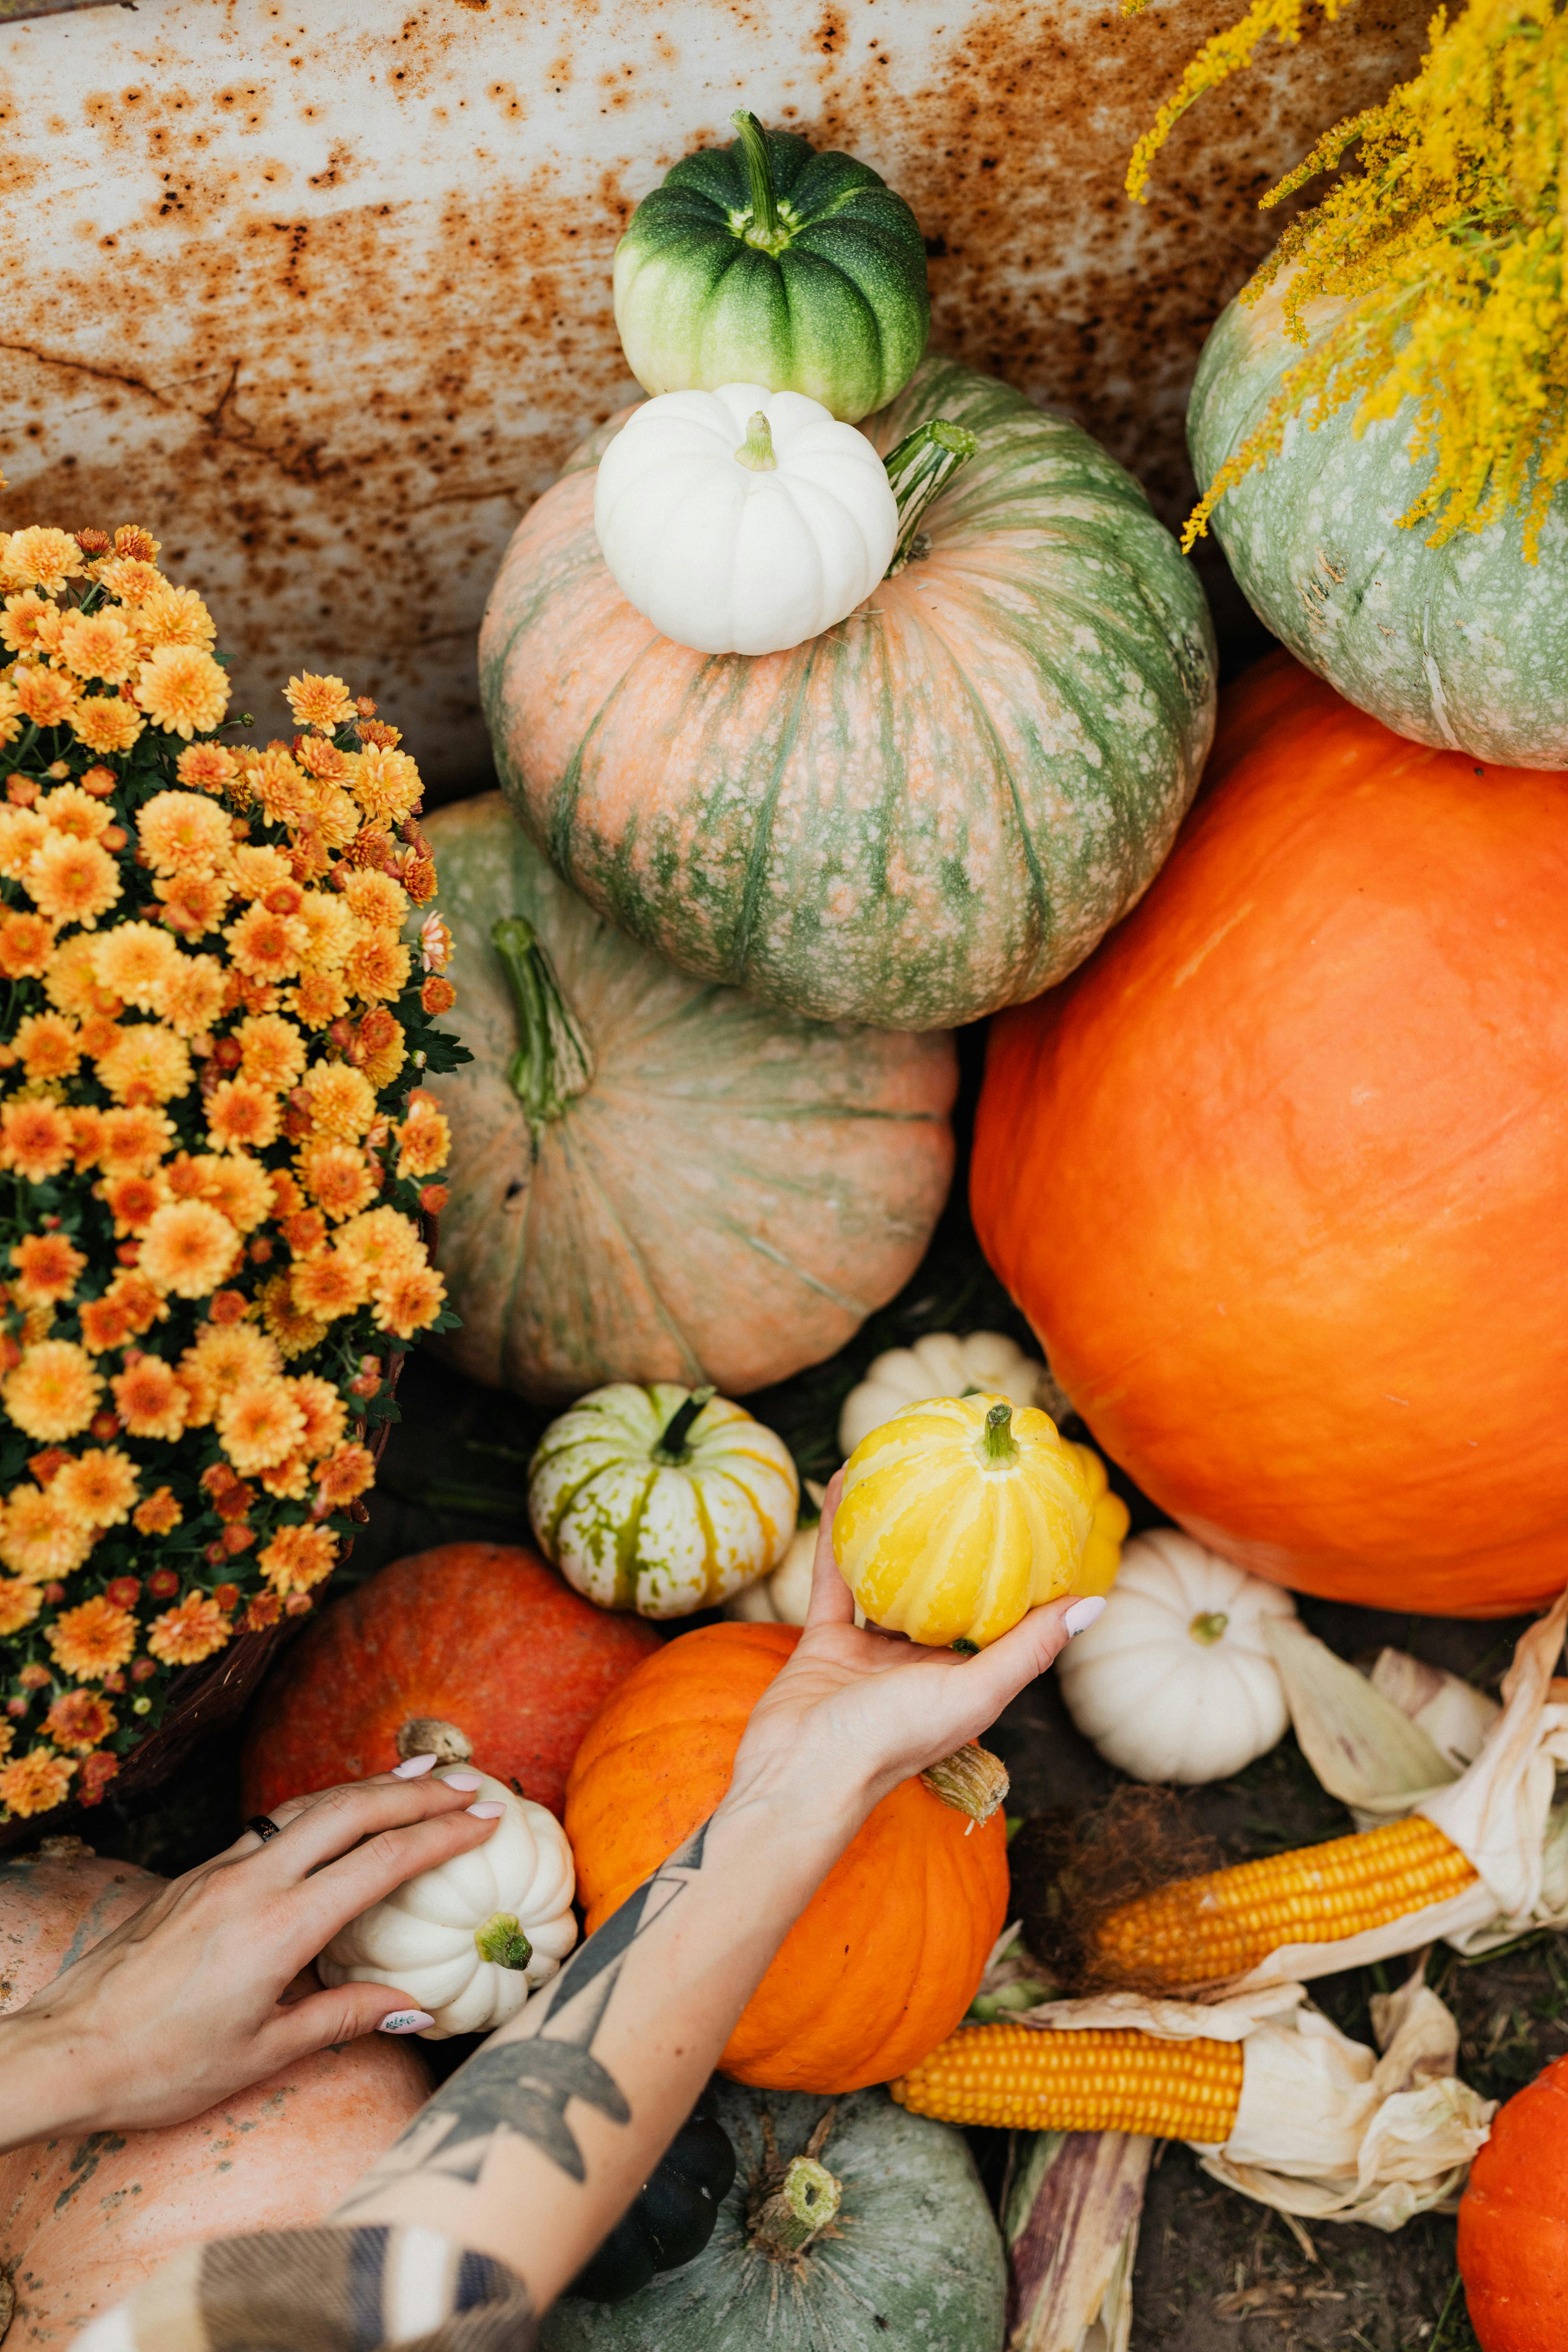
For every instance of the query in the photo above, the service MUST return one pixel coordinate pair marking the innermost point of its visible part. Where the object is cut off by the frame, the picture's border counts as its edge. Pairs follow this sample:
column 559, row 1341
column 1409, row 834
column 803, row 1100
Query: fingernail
column 413, row 1768
column 487, row 1813
column 405, row 2021
column 1083, row 1613
column 462, row 1779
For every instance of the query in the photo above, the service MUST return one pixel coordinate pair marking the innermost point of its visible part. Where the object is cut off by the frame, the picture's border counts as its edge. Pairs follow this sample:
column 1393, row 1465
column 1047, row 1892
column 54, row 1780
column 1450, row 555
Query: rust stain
column 322, row 298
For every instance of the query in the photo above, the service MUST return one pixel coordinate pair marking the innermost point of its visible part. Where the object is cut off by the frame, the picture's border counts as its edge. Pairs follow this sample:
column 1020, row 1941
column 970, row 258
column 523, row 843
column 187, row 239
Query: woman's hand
column 189, row 2001
column 856, row 1711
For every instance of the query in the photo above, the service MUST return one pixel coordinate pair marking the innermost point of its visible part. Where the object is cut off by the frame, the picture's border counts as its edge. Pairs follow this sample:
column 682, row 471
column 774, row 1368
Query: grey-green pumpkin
column 1464, row 646
column 934, row 809
column 765, row 262
column 911, row 2255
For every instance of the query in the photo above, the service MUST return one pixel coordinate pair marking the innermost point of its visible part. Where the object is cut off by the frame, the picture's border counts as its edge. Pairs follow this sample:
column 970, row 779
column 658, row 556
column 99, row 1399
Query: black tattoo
column 524, row 2087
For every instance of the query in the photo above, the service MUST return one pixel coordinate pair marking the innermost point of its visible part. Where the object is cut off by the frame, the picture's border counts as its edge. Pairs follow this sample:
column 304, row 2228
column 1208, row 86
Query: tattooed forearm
column 523, row 2084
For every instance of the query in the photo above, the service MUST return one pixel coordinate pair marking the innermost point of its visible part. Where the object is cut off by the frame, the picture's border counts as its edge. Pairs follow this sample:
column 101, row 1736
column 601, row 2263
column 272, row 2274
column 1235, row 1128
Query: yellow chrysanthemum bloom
column 41, row 557
column 146, row 1064
column 323, row 702
column 188, row 1248
column 54, row 1390
column 106, row 725
column 183, row 690
column 72, row 881
column 180, row 832
column 136, row 962
column 98, row 644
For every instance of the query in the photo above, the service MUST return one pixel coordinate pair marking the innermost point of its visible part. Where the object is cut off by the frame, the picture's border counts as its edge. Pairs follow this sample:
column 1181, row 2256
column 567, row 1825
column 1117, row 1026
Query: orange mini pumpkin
column 1513, row 2223
column 883, row 1962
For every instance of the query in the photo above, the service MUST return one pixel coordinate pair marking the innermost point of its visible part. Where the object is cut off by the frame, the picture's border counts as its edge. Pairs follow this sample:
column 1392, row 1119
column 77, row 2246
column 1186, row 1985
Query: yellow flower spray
column 1446, row 244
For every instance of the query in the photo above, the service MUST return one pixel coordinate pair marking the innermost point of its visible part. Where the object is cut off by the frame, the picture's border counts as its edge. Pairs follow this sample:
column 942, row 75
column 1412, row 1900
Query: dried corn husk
column 1069, row 2219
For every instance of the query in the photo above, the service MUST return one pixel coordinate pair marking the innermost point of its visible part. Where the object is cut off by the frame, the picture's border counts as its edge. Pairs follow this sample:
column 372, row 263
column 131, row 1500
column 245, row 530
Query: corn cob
column 1203, row 1930
column 1101, row 2079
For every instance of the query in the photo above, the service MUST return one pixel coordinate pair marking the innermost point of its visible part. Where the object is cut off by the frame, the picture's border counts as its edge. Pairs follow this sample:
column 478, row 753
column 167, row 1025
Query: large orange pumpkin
column 884, row 1959
column 1513, row 2223
column 85, row 2220
column 1281, row 1178
column 480, row 1638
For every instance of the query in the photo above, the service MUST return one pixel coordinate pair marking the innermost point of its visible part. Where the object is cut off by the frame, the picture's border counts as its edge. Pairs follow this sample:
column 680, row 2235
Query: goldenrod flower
column 20, row 1602
column 146, row 1064
column 319, row 999
column 386, row 785
column 188, row 1248
column 379, row 1241
column 48, row 1267
column 69, row 809
column 23, row 834
column 259, row 1425
column 299, row 1558
column 342, row 1100
column 150, row 1400
column 36, row 1782
column 35, row 1138
column 184, row 1636
column 377, row 967
column 376, row 899
column 241, row 1116
column 79, row 1721
column 183, row 690
column 254, row 872
column 48, row 1045
column 107, row 725
column 331, row 930
column 72, row 881
column 232, row 1357
column 323, row 702
column 98, row 1489
column 93, row 1640
column 97, row 645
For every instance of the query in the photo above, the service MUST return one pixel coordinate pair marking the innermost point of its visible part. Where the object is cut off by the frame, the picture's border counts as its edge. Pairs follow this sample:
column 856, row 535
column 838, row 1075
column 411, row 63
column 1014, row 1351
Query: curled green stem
column 672, row 1449
column 764, row 230
column 553, row 1060
column 919, row 470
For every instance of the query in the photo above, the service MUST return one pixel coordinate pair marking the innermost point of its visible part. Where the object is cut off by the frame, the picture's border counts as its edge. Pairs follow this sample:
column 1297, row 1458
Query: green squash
column 651, row 1179
column 1464, row 646
column 934, row 809
column 910, row 2255
column 765, row 262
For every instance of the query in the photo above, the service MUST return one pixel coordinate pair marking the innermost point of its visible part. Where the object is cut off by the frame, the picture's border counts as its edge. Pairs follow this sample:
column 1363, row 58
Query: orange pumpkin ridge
column 1280, row 1177
column 1513, row 2223
column 882, row 1962
column 482, row 1636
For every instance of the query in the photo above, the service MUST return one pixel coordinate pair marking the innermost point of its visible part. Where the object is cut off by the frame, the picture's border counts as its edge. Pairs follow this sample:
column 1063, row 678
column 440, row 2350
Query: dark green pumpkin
column 765, row 262
column 672, row 2217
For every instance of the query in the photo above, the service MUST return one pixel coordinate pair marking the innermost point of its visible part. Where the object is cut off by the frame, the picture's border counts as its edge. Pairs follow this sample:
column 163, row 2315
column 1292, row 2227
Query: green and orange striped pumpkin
column 937, row 807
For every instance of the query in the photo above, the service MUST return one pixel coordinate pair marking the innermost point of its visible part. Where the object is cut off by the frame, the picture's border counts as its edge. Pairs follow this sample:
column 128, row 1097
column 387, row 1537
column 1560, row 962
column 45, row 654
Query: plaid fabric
column 323, row 2291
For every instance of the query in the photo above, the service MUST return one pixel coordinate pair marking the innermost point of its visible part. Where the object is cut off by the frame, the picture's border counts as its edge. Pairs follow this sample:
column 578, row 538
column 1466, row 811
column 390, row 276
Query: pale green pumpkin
column 910, row 2257
column 1464, row 646
column 936, row 808
column 652, row 1178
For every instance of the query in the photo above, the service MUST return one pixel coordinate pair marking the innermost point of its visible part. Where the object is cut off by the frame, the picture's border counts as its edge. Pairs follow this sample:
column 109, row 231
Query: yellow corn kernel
column 1200, row 1931
column 1101, row 2079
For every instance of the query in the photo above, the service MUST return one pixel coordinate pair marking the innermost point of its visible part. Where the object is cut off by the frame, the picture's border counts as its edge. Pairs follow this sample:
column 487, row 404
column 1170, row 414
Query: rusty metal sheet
column 319, row 289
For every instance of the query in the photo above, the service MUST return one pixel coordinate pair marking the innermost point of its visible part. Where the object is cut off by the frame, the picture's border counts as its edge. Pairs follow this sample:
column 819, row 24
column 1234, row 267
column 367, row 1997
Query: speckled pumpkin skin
column 85, row 2219
column 932, row 810
column 1463, row 647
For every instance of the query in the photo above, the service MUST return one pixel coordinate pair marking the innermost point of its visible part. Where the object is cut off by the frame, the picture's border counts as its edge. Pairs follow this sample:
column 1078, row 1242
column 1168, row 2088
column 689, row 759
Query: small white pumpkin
column 662, row 1499
column 783, row 1598
column 742, row 521
column 944, row 1365
column 1175, row 1681
column 470, row 1939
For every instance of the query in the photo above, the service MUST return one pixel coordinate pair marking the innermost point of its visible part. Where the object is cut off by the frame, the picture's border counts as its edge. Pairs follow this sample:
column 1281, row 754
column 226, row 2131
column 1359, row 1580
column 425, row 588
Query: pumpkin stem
column 764, row 229
column 501, row 1939
column 923, row 465
column 803, row 2205
column 428, row 1735
column 971, row 1780
column 1208, row 1626
column 756, row 451
column 672, row 1448
column 553, row 1060
column 1001, row 1445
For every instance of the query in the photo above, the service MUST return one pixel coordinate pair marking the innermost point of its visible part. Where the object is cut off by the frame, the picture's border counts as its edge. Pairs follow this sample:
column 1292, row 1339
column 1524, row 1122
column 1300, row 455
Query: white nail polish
column 486, row 1812
column 405, row 2021
column 462, row 1779
column 414, row 1768
column 1083, row 1613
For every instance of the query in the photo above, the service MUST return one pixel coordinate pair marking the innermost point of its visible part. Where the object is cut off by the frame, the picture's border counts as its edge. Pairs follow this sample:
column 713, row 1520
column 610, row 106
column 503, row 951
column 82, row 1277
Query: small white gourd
column 742, row 521
column 783, row 1598
column 469, row 1940
column 945, row 1365
column 1175, row 1681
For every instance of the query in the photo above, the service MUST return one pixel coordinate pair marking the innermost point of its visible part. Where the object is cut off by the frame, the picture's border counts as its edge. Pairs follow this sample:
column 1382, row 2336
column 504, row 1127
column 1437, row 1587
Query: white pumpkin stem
column 756, row 451
column 430, row 1734
column 801, row 2206
column 971, row 1780
column 918, row 471
column 765, row 230
column 1208, row 1626
column 553, row 1060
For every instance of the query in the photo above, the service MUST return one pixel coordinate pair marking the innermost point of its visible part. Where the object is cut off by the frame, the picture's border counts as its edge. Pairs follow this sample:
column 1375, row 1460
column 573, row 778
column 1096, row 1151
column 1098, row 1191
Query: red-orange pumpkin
column 84, row 2220
column 1513, row 2222
column 1281, row 1178
column 883, row 1962
column 482, row 1638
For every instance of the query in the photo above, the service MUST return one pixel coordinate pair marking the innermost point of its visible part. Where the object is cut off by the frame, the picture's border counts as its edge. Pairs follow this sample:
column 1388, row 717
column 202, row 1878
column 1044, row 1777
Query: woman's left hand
column 188, row 2002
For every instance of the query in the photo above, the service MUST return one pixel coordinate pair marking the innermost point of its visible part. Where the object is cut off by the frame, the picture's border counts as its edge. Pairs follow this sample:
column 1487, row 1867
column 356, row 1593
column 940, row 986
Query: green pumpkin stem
column 801, row 2207
column 1208, row 1626
column 672, row 1447
column 923, row 465
column 553, row 1060
column 764, row 229
column 501, row 1939
column 756, row 451
column 1001, row 1445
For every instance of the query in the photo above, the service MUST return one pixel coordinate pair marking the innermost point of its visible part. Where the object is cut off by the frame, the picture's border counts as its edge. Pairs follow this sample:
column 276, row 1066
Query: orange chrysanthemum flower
column 23, row 834
column 289, row 1481
column 184, row 1636
column 325, row 1415
column 321, row 759
column 98, row 1489
column 206, row 768
column 194, row 996
column 39, row 1539
column 328, row 1285
column 20, row 619
column 381, row 1242
column 146, row 1064
column 259, row 1425
column 176, row 616
column 150, row 1400
column 26, row 941
column 319, row 999
column 271, row 1052
column 47, row 696
column 425, row 1139
column 296, row 1334
column 381, row 1064
column 182, row 833
column 133, row 1202
column 132, row 1142
column 323, row 702
column 183, row 690
column 136, row 962
column 97, row 645
column 70, row 810
column 377, row 968
column 20, row 1602
column 256, row 872
column 386, row 785
column 41, row 557
column 35, row 1784
column 230, row 1356
column 188, row 1248
column 269, row 947
column 73, row 881
column 48, row 1045
column 104, row 1324
column 54, row 1390
column 338, row 1178
column 342, row 1101
column 241, row 1117
column 344, row 1476
column 298, row 1557
column 47, row 1268
column 194, row 903
column 240, row 1187
column 160, row 1514
column 107, row 725
column 79, row 1721
column 409, row 1300
column 92, row 1639
column 94, row 1777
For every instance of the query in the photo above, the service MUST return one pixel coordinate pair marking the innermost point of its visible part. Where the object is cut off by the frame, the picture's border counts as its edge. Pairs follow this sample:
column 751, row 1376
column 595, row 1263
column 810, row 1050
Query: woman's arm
column 532, row 2151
